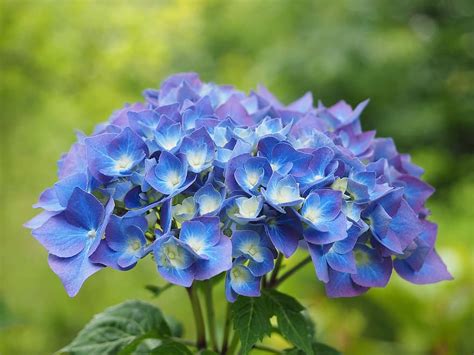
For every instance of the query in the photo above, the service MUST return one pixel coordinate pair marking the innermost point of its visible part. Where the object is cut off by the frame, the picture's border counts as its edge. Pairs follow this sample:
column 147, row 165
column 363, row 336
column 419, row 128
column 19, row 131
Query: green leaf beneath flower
column 251, row 316
column 169, row 347
column 119, row 329
column 292, row 323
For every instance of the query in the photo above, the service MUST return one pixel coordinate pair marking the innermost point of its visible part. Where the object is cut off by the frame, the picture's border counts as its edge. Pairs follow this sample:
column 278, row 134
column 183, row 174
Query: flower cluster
column 211, row 180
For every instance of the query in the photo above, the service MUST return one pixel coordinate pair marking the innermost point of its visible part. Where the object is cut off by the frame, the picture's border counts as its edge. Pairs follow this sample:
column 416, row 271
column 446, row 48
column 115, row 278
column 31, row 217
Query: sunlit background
column 67, row 65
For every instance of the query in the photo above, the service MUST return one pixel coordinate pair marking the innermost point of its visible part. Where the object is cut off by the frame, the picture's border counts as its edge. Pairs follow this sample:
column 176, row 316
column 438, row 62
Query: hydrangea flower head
column 211, row 180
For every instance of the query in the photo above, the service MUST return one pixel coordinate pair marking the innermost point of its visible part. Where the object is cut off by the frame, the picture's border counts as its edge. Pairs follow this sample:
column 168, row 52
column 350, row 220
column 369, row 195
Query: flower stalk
column 198, row 317
column 211, row 317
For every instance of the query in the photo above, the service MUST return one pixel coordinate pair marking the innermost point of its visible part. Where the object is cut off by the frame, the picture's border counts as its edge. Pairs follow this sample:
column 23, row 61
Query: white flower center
column 170, row 253
column 197, row 159
column 253, row 178
column 135, row 245
column 124, row 163
column 173, row 178
column 208, row 205
column 92, row 233
column 312, row 215
column 169, row 143
column 284, row 194
column 249, row 207
column 195, row 244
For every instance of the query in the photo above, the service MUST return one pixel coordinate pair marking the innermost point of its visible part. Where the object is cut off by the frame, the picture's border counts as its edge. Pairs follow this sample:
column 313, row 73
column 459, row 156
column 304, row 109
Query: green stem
column 291, row 272
column 187, row 342
column 276, row 269
column 233, row 344
column 211, row 317
column 199, row 319
column 227, row 324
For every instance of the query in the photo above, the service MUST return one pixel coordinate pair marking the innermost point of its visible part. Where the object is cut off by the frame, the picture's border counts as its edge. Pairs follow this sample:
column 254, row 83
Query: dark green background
column 69, row 64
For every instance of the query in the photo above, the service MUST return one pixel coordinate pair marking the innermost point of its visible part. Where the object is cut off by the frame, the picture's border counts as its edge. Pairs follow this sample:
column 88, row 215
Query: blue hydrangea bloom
column 282, row 191
column 200, row 253
column 209, row 179
column 72, row 236
column 125, row 243
column 168, row 176
column 240, row 281
column 113, row 154
column 251, row 246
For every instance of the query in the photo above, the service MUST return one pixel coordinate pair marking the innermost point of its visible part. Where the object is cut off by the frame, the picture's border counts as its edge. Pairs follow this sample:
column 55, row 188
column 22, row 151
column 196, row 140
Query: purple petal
column 341, row 285
column 433, row 270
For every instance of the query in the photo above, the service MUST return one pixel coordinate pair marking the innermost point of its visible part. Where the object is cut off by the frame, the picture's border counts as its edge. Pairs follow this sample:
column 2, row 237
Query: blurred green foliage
column 69, row 64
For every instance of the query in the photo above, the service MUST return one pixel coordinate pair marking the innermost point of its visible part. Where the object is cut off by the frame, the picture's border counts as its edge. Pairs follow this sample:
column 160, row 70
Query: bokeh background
column 69, row 64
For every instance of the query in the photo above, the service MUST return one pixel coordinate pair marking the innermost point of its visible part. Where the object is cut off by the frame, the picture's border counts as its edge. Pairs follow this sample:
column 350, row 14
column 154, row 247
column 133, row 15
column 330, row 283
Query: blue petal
column 282, row 191
column 199, row 150
column 168, row 134
column 84, row 210
column 208, row 199
column 40, row 219
column 60, row 237
column 405, row 225
column 341, row 262
column 219, row 260
column 230, row 169
column 73, row 271
column 166, row 216
column 422, row 245
column 319, row 261
column 353, row 234
column 415, row 191
column 336, row 231
column 230, row 294
column 127, row 261
column 242, row 240
column 128, row 144
column 245, row 284
column 235, row 110
column 143, row 122
column 322, row 206
column 200, row 233
column 373, row 270
column 285, row 231
column 260, row 268
column 249, row 181
column 379, row 221
column 168, row 175
column 175, row 262
column 181, row 277
column 266, row 145
column 97, row 155
column 105, row 256
column 49, row 201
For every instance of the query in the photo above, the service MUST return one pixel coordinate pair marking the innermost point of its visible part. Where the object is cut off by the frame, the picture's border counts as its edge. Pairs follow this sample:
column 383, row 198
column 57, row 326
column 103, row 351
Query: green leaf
column 323, row 349
column 318, row 349
column 251, row 317
column 119, row 329
column 146, row 346
column 292, row 323
column 176, row 327
column 170, row 347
